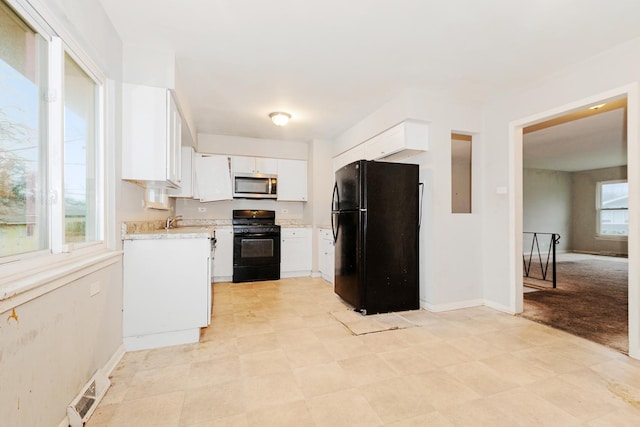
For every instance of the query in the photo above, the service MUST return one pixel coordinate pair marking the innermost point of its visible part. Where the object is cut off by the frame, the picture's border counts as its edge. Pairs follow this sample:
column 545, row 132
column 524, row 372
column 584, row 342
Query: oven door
column 254, row 249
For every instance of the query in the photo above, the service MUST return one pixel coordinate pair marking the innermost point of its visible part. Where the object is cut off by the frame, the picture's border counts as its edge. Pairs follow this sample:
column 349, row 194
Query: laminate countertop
column 172, row 233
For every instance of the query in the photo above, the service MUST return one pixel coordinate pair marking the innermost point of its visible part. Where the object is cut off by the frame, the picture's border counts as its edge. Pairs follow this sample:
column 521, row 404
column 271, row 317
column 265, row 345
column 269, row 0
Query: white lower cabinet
column 326, row 253
column 223, row 255
column 295, row 252
column 166, row 291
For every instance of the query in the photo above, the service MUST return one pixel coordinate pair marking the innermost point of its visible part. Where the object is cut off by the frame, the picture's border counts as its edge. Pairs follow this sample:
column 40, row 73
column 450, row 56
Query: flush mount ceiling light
column 280, row 118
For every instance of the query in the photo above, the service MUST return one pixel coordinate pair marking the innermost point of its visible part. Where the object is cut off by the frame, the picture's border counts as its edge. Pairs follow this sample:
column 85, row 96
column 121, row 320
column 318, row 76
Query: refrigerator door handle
column 335, row 197
column 334, row 228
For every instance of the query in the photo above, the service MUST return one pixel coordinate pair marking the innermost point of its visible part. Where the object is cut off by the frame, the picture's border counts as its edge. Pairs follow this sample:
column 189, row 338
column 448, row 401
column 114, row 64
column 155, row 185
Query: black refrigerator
column 375, row 215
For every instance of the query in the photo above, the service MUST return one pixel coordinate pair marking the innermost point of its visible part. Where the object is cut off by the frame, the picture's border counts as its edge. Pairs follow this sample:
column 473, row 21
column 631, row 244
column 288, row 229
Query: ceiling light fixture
column 280, row 118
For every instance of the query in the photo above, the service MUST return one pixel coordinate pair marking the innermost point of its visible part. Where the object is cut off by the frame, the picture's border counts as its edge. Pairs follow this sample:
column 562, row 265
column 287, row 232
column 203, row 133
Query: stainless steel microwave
column 255, row 186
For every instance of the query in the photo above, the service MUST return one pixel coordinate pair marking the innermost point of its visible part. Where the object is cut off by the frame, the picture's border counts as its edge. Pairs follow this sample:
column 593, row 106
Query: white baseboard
column 165, row 339
column 450, row 306
column 499, row 307
column 316, row 274
column 113, row 361
column 290, row 274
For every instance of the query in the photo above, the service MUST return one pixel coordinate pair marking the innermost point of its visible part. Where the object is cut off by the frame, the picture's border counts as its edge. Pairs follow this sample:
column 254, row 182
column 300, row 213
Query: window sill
column 26, row 280
column 614, row 238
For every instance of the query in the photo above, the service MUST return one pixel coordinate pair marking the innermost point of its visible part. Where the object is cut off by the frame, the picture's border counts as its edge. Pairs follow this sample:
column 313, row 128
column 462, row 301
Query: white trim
column 112, row 363
column 499, row 307
column 450, row 306
column 55, row 146
column 290, row 274
column 632, row 93
column 163, row 339
column 32, row 282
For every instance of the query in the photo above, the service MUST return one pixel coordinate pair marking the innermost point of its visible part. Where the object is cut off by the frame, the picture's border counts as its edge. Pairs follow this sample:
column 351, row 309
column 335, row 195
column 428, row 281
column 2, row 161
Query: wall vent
column 87, row 401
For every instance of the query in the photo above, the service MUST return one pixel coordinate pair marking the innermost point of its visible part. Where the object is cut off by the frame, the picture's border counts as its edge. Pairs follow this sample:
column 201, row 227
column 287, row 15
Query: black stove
column 256, row 246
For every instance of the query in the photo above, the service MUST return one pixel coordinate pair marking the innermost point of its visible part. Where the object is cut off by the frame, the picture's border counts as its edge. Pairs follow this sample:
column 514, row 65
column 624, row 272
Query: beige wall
column 547, row 205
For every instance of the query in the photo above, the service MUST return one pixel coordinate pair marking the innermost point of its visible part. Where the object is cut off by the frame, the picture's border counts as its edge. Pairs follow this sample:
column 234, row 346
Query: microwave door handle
column 270, row 191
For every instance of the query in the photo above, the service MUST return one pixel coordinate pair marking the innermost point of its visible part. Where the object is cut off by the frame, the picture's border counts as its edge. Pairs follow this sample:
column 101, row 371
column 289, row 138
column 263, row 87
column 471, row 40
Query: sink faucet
column 171, row 221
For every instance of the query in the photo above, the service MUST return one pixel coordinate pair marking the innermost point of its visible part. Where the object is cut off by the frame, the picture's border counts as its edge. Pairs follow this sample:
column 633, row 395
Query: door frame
column 632, row 93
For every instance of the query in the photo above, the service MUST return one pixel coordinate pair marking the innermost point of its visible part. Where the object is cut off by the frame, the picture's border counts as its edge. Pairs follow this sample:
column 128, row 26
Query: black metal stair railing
column 534, row 251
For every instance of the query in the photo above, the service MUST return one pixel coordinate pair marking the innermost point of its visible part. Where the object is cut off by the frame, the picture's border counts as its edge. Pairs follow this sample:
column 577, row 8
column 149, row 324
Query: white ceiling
column 593, row 142
column 331, row 62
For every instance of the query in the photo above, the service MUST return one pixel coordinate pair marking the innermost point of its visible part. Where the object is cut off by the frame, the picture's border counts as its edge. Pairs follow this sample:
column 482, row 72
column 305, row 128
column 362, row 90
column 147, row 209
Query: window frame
column 599, row 209
column 61, row 43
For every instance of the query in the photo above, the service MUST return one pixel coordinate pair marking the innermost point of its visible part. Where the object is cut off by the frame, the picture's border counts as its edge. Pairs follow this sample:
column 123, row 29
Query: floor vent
column 87, row 401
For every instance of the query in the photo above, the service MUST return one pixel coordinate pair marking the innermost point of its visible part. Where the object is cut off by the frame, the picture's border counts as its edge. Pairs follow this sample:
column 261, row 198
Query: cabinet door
column 295, row 252
column 174, row 146
column 266, row 166
column 187, row 170
column 223, row 255
column 242, row 164
column 151, row 136
column 325, row 254
column 152, row 301
column 144, row 133
column 350, row 156
column 292, row 180
column 385, row 144
column 212, row 178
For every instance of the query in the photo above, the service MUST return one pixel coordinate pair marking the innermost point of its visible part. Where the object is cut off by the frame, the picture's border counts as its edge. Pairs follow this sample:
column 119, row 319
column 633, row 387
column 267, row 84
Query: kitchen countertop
column 172, row 233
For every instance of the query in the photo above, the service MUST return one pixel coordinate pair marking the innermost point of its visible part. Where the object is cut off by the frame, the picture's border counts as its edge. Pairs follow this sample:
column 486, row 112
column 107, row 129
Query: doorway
column 519, row 129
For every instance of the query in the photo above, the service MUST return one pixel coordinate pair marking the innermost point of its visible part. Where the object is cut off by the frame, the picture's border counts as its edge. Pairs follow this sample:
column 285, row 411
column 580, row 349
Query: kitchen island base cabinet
column 166, row 291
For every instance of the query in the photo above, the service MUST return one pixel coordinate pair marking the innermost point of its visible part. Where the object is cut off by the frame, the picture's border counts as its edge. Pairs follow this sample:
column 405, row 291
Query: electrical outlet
column 202, row 209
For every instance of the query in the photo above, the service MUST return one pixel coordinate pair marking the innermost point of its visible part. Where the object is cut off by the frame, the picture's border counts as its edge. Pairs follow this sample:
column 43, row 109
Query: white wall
column 547, row 205
column 189, row 209
column 450, row 245
column 606, row 75
column 62, row 337
column 318, row 213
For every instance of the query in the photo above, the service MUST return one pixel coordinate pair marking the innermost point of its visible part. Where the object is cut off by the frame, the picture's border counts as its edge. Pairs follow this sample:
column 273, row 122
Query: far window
column 612, row 206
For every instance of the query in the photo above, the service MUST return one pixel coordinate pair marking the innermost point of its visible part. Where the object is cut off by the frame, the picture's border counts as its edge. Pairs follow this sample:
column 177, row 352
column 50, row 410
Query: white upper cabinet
column 292, row 180
column 403, row 140
column 188, row 170
column 349, row 156
column 242, row 164
column 213, row 182
column 152, row 136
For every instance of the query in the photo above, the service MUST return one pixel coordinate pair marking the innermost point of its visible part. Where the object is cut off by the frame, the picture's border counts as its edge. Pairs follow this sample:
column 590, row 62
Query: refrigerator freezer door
column 346, row 192
column 347, row 257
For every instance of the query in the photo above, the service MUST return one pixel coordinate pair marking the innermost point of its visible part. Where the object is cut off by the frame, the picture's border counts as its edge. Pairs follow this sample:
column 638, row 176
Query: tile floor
column 279, row 354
